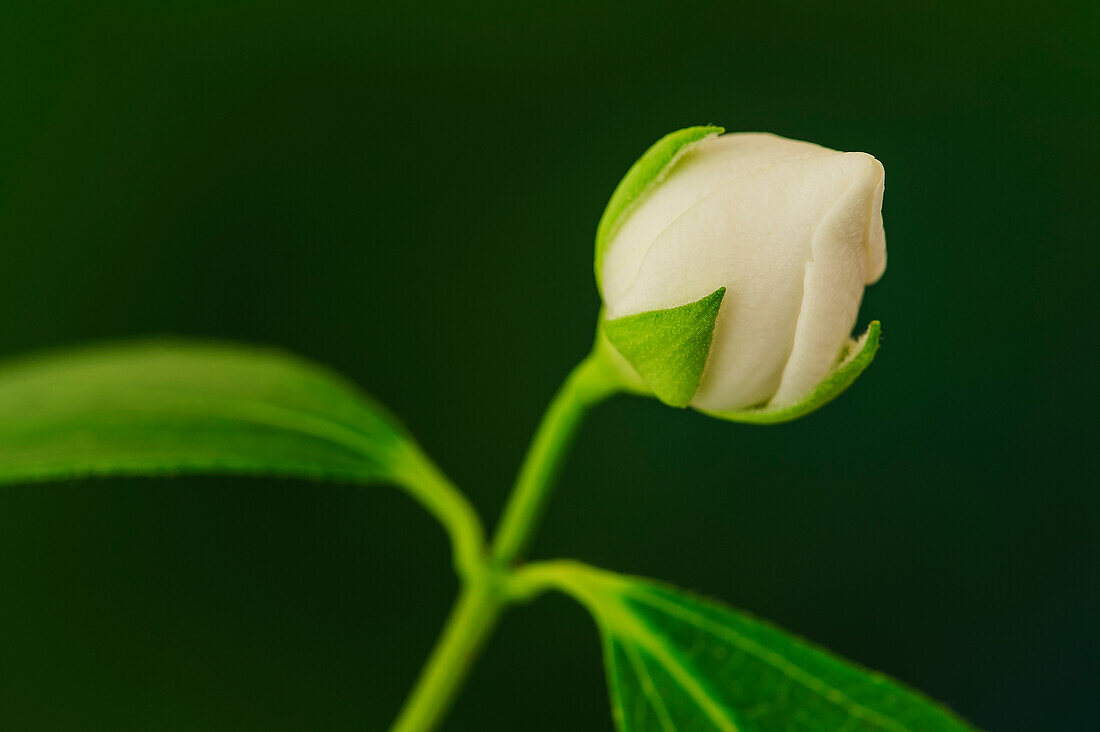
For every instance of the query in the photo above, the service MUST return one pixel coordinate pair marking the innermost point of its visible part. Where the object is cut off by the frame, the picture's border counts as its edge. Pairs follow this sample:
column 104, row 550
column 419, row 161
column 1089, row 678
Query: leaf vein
column 648, row 687
column 793, row 671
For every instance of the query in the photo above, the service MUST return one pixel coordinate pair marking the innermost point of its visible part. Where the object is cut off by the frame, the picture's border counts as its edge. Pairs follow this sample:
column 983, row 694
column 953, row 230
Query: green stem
column 589, row 384
column 472, row 619
column 439, row 497
column 482, row 600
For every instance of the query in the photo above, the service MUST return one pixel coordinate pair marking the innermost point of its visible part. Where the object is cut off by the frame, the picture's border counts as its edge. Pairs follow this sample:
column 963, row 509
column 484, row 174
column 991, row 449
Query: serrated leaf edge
column 603, row 594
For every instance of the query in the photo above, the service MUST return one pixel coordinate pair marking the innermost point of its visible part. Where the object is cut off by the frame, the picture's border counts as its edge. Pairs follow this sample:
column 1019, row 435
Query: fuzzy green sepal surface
column 858, row 357
column 647, row 172
column 677, row 661
column 669, row 348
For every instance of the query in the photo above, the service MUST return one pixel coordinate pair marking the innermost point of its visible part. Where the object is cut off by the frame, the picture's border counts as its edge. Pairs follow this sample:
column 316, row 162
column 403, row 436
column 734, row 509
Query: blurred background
column 408, row 192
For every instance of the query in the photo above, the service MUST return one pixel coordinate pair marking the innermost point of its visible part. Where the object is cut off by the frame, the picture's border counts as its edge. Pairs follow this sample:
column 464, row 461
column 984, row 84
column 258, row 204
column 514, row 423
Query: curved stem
column 485, row 578
column 434, row 491
column 586, row 386
column 533, row 579
column 472, row 619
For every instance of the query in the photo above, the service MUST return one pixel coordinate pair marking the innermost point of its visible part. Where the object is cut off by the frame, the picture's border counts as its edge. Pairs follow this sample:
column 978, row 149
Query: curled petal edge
column 857, row 357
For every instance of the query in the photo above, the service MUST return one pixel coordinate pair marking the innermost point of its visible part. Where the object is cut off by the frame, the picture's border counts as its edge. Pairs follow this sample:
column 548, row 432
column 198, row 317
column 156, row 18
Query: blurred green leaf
column 679, row 662
column 856, row 358
column 165, row 407
column 646, row 172
column 160, row 407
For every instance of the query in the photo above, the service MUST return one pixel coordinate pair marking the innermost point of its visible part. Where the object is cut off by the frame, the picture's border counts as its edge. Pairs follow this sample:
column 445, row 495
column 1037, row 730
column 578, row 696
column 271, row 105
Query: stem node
column 486, row 581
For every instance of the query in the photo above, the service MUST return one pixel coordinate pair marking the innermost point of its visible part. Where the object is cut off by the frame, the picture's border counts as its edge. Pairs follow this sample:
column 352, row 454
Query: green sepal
column 669, row 348
column 856, row 358
column 649, row 170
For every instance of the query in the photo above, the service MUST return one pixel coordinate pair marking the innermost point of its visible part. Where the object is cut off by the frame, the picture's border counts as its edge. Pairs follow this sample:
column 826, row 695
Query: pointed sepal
column 669, row 348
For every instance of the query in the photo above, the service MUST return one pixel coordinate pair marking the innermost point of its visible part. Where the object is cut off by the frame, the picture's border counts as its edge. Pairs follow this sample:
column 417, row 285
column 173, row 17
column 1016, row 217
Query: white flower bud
column 792, row 231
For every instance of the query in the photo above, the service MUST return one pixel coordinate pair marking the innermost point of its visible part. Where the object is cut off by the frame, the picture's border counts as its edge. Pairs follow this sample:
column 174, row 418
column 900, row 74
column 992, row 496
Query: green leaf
column 680, row 662
column 857, row 357
column 669, row 348
column 646, row 172
column 164, row 407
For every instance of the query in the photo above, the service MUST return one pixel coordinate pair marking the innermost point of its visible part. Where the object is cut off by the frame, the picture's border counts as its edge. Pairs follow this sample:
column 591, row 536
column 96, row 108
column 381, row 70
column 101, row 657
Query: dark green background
column 409, row 194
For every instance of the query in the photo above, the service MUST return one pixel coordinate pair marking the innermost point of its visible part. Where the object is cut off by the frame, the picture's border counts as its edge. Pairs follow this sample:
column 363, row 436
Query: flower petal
column 752, row 236
column 856, row 359
column 703, row 168
column 834, row 281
